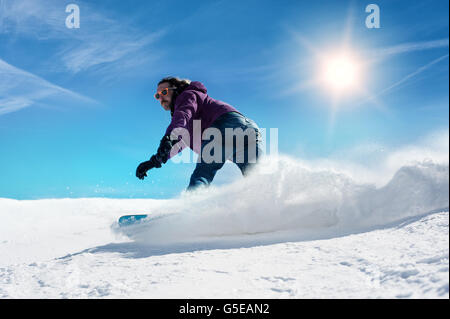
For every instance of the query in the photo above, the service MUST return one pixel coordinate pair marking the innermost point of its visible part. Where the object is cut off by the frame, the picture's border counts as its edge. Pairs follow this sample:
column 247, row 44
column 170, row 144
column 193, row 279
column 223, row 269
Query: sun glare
column 340, row 73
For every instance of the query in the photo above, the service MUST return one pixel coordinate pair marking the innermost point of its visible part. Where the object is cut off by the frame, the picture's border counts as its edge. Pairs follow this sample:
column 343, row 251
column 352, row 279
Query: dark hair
column 179, row 84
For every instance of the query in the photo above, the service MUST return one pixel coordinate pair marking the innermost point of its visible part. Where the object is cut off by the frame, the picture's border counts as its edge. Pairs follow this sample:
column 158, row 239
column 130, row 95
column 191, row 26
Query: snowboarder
column 191, row 107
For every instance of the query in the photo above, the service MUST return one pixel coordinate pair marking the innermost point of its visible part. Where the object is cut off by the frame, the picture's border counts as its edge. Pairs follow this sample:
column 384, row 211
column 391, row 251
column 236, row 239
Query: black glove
column 156, row 160
column 164, row 148
column 142, row 169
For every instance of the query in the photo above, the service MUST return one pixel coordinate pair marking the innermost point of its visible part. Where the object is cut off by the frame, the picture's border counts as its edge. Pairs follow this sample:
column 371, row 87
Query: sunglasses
column 163, row 92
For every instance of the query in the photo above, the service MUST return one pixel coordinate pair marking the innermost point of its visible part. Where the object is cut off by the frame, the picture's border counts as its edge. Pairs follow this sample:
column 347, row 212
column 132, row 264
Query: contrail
column 409, row 76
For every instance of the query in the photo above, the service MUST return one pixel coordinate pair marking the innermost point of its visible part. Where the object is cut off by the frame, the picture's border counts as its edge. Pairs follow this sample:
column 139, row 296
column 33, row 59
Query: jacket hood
column 197, row 86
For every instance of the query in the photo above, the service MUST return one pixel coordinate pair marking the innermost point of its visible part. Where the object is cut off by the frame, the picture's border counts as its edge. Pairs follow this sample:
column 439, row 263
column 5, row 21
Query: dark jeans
column 243, row 149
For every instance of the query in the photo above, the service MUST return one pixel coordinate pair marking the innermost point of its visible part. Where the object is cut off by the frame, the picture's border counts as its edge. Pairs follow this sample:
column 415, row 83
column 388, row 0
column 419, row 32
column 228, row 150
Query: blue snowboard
column 128, row 220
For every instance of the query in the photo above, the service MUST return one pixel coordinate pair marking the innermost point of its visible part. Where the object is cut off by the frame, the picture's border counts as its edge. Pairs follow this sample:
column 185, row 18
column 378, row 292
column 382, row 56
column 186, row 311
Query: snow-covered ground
column 290, row 232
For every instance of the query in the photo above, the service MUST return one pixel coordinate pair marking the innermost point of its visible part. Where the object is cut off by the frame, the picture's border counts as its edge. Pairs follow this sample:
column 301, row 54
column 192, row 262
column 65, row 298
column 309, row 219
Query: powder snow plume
column 287, row 199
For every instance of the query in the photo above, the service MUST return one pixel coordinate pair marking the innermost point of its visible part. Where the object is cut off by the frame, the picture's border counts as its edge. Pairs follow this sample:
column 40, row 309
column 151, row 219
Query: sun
column 340, row 72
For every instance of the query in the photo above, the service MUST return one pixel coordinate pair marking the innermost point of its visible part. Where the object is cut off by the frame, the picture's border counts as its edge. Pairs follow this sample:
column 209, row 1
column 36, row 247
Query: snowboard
column 129, row 220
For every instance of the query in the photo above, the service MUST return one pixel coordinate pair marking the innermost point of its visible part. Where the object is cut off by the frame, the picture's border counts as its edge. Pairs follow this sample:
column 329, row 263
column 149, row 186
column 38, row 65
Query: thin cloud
column 411, row 47
column 20, row 89
column 13, row 104
column 104, row 53
column 38, row 18
column 100, row 41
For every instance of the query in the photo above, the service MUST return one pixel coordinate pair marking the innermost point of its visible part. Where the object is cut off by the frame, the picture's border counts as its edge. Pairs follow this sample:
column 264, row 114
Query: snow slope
column 289, row 231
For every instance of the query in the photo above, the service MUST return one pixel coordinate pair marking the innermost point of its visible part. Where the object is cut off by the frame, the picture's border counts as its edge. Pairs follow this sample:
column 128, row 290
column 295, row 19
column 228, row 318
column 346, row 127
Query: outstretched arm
column 161, row 157
column 184, row 109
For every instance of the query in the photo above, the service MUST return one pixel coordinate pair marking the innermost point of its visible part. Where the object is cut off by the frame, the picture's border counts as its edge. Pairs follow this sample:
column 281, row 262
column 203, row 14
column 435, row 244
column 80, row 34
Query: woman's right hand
column 144, row 167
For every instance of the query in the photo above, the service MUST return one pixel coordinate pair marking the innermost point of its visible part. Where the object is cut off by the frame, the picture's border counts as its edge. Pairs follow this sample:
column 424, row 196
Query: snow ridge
column 294, row 202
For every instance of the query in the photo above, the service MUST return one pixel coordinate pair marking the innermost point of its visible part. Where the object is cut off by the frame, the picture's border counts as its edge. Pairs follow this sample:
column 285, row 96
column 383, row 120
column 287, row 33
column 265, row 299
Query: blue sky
column 77, row 113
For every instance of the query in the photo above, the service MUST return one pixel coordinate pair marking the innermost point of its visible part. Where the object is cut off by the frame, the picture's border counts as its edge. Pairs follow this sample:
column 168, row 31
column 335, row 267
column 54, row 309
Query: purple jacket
column 194, row 104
